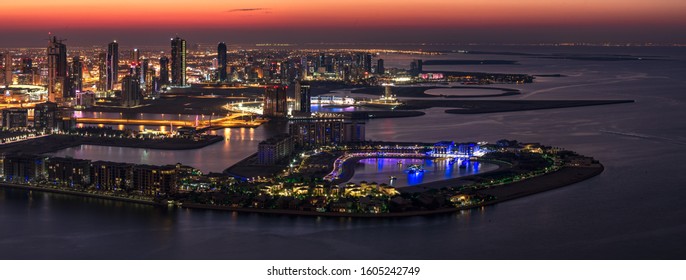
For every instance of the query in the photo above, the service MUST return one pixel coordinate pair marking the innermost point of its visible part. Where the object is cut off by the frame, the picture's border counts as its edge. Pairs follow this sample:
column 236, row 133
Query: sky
column 153, row 22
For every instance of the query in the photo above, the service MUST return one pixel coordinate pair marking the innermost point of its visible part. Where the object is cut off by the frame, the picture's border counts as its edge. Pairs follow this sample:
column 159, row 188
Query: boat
column 415, row 168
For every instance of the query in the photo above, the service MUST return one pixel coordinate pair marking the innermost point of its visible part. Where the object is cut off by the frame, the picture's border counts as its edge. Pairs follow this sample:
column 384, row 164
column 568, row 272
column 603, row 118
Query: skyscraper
column 380, row 69
column 26, row 65
column 130, row 91
column 302, row 97
column 102, row 73
column 57, row 70
column 178, row 61
column 8, row 69
column 164, row 70
column 275, row 101
column 368, row 63
column 75, row 76
column 112, row 65
column 221, row 61
column 135, row 55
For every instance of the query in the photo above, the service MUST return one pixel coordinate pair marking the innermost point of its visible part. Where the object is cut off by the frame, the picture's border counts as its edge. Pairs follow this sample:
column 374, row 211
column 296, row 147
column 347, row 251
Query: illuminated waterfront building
column 57, row 70
column 23, row 168
column 111, row 176
column 353, row 131
column 153, row 180
column 272, row 150
column 221, row 62
column 69, row 171
column 275, row 101
column 302, row 97
column 317, row 130
column 178, row 61
column 15, row 118
column 112, row 65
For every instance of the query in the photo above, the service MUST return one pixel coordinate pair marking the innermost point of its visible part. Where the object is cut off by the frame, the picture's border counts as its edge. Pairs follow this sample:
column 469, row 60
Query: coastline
column 54, row 143
column 77, row 193
column 567, row 175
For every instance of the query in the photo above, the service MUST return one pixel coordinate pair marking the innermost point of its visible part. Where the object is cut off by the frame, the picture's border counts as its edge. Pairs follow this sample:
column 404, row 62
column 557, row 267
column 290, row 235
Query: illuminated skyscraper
column 130, row 91
column 8, row 69
column 275, row 101
column 57, row 70
column 178, row 61
column 135, row 55
column 112, row 65
column 368, row 63
column 164, row 70
column 102, row 73
column 26, row 65
column 75, row 77
column 221, row 60
column 302, row 97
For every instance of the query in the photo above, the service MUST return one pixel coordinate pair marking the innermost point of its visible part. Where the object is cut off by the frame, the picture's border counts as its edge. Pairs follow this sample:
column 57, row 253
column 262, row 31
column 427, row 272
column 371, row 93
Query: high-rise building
column 112, row 65
column 302, row 97
column 164, row 70
column 221, row 62
column 368, row 63
column 317, row 131
column 416, row 67
column 8, row 69
column 178, row 61
column 380, row 69
column 68, row 171
column 102, row 73
column 353, row 131
column 144, row 64
column 135, row 56
column 57, row 70
column 46, row 116
column 275, row 101
column 75, row 76
column 130, row 91
column 274, row 149
column 15, row 118
column 26, row 65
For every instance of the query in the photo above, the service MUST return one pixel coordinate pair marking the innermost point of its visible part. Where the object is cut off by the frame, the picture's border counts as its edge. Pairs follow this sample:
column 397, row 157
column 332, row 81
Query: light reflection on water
column 380, row 170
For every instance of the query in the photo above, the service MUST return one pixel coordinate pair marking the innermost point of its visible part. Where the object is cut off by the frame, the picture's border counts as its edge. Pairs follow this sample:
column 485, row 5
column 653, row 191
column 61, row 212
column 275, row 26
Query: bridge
column 230, row 121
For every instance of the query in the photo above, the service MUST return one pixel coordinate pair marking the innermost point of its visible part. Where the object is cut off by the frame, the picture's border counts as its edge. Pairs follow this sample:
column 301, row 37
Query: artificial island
column 322, row 98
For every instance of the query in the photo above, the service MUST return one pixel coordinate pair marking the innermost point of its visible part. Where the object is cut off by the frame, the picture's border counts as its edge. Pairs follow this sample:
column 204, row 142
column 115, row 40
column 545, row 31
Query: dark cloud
column 246, row 10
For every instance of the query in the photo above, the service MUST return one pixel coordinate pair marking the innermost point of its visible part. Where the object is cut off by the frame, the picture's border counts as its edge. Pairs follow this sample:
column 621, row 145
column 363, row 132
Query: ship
column 415, row 168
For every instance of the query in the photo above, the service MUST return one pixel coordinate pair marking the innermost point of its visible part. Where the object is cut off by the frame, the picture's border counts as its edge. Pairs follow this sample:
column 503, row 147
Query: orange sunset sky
column 348, row 21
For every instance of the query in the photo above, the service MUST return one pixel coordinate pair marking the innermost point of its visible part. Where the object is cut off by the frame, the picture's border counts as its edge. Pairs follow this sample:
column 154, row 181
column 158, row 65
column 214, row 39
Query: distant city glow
column 359, row 16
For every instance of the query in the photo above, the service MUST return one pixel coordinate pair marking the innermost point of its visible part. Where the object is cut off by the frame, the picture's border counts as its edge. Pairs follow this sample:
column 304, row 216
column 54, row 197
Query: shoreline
column 54, row 143
column 566, row 176
column 77, row 193
column 563, row 179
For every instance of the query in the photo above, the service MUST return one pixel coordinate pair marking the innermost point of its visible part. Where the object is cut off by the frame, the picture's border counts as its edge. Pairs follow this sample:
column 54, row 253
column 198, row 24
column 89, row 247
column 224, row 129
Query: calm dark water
column 634, row 210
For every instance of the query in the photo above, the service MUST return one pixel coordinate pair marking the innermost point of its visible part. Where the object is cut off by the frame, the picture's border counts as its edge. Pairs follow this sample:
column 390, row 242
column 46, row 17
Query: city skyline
column 531, row 21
